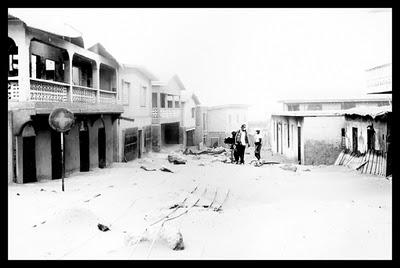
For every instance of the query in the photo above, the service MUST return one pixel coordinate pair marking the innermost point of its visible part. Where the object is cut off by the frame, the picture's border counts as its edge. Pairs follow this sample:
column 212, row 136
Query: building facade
column 370, row 130
column 310, row 138
column 167, row 113
column 134, row 125
column 334, row 104
column 379, row 79
column 222, row 120
column 48, row 71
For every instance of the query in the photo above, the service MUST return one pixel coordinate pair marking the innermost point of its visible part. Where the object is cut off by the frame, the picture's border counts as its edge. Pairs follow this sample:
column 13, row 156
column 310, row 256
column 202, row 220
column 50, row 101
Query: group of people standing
column 239, row 142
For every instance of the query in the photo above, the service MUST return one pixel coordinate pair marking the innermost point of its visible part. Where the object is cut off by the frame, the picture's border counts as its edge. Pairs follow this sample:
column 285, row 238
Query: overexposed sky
column 254, row 56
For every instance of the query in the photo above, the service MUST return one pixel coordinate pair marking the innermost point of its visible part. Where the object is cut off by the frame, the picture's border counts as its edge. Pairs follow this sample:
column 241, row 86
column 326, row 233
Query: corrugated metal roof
column 370, row 111
column 360, row 111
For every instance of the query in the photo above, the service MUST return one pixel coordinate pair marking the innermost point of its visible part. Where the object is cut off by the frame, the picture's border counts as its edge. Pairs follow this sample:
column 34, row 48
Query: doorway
column 56, row 156
column 29, row 159
column 370, row 138
column 102, row 147
column 140, row 144
column 190, row 138
column 84, row 149
column 299, row 144
column 355, row 139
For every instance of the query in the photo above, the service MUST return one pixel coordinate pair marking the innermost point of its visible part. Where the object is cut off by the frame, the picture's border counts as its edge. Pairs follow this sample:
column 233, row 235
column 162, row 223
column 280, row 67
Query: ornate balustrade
column 13, row 88
column 159, row 114
column 108, row 96
column 83, row 94
column 48, row 91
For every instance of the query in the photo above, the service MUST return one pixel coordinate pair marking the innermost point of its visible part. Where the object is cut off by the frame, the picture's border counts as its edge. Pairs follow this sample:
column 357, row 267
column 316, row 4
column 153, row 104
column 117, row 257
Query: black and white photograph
column 199, row 133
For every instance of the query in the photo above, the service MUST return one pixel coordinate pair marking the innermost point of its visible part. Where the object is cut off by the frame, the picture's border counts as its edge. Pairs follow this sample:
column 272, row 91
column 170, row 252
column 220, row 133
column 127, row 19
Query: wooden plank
column 344, row 159
column 377, row 163
column 372, row 162
column 384, row 166
column 349, row 159
column 365, row 168
column 339, row 158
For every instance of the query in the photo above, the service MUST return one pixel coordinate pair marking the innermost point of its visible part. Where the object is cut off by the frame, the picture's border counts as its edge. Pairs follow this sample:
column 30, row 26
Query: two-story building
column 48, row 71
column 167, row 113
column 135, row 123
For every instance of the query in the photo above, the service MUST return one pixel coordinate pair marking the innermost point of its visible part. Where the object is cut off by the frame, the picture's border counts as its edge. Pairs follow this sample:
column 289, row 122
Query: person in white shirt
column 257, row 143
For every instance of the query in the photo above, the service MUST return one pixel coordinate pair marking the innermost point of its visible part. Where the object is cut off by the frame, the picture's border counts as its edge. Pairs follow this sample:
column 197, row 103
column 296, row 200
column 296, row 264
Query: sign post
column 61, row 120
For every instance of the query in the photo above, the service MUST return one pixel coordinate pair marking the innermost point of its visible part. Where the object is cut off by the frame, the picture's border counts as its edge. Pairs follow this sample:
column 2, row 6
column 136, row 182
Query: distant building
column 135, row 123
column 172, row 113
column 379, row 79
column 48, row 71
column 222, row 120
column 190, row 103
column 334, row 104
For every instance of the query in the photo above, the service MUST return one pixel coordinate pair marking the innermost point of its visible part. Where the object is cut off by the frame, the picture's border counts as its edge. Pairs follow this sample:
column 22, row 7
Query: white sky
column 253, row 56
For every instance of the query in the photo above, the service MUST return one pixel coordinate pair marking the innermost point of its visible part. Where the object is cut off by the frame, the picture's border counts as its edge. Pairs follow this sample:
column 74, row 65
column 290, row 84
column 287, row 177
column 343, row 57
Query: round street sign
column 61, row 119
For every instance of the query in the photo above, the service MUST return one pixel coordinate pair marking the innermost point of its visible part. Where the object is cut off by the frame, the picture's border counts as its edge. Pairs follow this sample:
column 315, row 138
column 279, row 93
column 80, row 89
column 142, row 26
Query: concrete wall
column 217, row 120
column 322, row 139
column 10, row 144
column 72, row 157
column 43, row 154
column 188, row 120
column 285, row 143
column 361, row 124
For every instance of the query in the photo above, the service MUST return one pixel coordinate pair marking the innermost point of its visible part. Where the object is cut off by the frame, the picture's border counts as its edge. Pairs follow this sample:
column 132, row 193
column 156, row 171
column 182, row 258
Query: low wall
column 318, row 152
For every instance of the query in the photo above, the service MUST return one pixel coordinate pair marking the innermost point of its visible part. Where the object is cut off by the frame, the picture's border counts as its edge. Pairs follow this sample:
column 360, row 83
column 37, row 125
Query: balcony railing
column 83, row 94
column 13, row 88
column 48, row 91
column 52, row 91
column 159, row 114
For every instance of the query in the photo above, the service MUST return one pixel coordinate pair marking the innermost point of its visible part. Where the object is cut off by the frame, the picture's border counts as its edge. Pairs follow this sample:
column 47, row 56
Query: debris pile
column 176, row 159
column 289, row 167
column 372, row 162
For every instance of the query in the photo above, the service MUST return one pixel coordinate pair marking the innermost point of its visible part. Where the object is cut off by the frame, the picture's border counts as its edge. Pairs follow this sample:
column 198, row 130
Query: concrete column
column 24, row 59
column 173, row 101
column 158, row 100
column 70, row 56
column 156, row 137
column 96, row 77
column 19, row 159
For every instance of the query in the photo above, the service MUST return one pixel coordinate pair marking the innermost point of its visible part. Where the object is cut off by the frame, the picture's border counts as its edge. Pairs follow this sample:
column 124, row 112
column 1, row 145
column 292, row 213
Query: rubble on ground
column 211, row 151
column 147, row 168
column 165, row 169
column 289, row 167
column 176, row 159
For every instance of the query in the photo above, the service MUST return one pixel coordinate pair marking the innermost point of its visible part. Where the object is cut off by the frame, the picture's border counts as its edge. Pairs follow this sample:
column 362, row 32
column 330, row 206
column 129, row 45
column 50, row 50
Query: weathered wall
column 72, row 157
column 361, row 124
column 217, row 120
column 156, row 137
column 285, row 143
column 10, row 149
column 109, row 139
column 322, row 139
column 217, row 135
column 43, row 154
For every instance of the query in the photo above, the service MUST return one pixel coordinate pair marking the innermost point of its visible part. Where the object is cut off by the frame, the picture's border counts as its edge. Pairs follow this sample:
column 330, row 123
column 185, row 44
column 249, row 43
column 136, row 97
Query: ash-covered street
column 315, row 212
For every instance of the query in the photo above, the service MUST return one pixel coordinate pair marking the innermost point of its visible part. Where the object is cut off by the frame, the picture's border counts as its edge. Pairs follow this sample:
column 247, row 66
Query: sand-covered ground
column 327, row 212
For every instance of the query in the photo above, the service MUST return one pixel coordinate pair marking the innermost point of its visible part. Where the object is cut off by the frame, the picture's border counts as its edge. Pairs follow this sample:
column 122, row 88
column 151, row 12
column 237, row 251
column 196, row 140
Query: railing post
column 97, row 75
column 71, row 56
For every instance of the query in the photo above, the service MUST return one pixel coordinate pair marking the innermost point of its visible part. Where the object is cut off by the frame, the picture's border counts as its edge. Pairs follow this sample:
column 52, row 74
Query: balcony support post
column 70, row 57
column 24, row 59
column 97, row 79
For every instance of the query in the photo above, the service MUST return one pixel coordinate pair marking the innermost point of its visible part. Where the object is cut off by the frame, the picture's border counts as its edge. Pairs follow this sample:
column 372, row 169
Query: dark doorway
column 277, row 137
column 102, row 147
column 131, row 144
column 84, row 150
column 29, row 159
column 171, row 132
column 56, row 156
column 299, row 144
column 140, row 144
column 190, row 138
column 355, row 139
column 343, row 141
column 370, row 138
